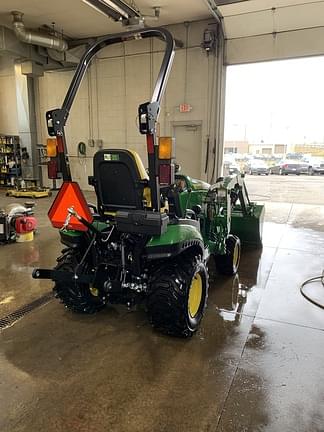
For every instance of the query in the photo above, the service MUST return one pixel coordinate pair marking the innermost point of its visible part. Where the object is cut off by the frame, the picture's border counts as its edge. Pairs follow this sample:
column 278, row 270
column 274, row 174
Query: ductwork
column 36, row 38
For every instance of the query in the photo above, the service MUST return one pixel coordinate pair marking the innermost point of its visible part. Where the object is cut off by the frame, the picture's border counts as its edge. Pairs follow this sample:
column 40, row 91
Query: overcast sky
column 277, row 102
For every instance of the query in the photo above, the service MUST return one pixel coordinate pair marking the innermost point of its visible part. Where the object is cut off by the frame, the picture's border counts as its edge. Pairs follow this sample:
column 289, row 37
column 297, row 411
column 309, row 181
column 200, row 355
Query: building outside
column 311, row 149
column 268, row 149
column 238, row 146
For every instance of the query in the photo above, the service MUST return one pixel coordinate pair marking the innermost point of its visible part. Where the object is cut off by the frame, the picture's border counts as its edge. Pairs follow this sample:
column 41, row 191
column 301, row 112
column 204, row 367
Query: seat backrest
column 119, row 180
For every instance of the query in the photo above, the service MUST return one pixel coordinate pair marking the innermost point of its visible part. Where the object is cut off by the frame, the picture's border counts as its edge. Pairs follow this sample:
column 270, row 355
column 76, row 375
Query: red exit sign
column 184, row 108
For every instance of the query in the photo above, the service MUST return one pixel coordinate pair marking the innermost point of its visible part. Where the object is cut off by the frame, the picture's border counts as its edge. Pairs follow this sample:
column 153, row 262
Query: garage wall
column 117, row 82
column 8, row 103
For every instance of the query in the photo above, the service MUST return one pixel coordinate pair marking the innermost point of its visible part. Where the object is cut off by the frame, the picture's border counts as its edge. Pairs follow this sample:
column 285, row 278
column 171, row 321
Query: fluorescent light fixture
column 111, row 4
column 94, row 7
column 119, row 10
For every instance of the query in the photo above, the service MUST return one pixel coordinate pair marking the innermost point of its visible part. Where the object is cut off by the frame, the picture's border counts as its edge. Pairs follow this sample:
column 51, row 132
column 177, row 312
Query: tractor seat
column 120, row 181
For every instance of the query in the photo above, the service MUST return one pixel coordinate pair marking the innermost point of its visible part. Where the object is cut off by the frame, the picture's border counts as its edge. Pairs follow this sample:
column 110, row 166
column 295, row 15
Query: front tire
column 75, row 296
column 228, row 264
column 178, row 296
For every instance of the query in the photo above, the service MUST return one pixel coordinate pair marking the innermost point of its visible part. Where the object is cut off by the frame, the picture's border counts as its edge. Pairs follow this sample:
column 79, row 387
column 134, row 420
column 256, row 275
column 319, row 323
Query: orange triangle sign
column 70, row 195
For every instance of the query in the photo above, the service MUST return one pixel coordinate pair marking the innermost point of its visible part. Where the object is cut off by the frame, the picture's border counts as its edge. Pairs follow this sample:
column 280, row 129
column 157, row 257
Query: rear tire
column 178, row 296
column 228, row 264
column 76, row 296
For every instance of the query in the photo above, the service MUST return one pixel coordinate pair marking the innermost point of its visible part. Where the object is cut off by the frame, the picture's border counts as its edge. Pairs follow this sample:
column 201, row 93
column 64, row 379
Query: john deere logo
column 111, row 157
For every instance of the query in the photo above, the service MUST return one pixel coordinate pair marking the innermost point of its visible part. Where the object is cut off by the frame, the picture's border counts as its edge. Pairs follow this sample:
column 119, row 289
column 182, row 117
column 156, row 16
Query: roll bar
column 148, row 112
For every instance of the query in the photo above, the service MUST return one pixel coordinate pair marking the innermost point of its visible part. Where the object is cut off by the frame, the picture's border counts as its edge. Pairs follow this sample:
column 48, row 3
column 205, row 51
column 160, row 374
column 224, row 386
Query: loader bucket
column 248, row 227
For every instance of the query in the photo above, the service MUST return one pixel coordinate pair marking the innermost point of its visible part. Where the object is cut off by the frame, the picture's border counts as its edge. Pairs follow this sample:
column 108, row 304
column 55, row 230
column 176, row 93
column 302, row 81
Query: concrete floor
column 255, row 364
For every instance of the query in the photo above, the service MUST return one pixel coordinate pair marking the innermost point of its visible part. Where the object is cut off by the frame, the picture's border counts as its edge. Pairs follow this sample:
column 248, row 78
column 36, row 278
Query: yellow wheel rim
column 195, row 295
column 236, row 255
column 94, row 291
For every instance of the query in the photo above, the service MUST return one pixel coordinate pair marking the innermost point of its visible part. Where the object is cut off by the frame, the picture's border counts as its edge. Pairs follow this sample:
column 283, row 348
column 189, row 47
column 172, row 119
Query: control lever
column 74, row 213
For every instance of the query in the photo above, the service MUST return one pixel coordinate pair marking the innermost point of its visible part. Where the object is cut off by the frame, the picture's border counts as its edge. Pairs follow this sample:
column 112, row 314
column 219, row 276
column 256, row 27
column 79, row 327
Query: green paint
column 197, row 185
column 72, row 233
column 193, row 193
column 100, row 226
column 248, row 228
column 176, row 234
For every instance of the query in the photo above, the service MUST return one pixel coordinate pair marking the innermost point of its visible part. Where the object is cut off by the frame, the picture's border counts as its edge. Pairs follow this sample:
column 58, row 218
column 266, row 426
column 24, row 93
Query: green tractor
column 150, row 235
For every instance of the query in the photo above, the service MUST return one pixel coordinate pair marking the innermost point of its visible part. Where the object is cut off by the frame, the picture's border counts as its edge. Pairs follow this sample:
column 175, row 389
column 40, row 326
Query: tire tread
column 75, row 296
column 167, row 302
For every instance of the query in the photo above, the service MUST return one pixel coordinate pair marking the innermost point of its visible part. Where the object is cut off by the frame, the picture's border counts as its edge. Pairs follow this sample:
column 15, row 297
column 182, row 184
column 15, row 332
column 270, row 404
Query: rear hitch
column 62, row 276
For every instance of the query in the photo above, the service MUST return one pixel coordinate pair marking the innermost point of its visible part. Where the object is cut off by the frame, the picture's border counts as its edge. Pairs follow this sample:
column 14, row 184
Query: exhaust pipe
column 35, row 38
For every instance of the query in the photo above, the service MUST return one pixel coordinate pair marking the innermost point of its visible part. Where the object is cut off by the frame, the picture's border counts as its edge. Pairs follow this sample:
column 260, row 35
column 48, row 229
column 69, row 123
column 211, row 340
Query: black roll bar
column 104, row 41
column 149, row 112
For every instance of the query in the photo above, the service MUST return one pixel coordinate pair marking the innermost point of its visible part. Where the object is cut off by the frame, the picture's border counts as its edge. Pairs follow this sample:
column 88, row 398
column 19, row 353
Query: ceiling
column 259, row 17
column 78, row 20
column 242, row 18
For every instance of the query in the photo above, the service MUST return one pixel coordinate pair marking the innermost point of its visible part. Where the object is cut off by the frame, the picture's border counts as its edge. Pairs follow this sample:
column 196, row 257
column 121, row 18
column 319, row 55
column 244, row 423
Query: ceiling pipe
column 35, row 38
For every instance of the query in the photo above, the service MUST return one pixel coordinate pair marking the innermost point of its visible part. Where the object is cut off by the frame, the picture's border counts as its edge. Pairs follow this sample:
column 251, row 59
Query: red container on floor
column 25, row 224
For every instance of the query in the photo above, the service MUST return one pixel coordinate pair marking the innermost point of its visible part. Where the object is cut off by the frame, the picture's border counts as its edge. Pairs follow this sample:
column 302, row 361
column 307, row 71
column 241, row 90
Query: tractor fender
column 178, row 238
column 75, row 239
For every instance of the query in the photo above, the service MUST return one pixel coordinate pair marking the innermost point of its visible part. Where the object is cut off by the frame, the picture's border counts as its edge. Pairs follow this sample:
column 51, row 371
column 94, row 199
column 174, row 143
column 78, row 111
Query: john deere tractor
column 148, row 238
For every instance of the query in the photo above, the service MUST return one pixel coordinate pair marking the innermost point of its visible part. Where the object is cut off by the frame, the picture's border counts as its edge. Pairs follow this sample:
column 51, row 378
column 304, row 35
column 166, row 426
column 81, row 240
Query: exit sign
column 184, row 108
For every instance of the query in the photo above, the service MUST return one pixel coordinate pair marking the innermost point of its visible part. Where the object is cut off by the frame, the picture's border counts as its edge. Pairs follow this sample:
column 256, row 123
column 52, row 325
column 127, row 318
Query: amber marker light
column 166, row 148
column 51, row 147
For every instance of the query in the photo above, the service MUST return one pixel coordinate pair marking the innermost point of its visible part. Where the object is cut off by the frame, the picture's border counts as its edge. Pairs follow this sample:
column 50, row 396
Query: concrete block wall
column 119, row 79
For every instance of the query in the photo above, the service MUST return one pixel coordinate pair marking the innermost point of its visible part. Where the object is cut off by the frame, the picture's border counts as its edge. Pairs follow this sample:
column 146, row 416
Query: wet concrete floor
column 257, row 362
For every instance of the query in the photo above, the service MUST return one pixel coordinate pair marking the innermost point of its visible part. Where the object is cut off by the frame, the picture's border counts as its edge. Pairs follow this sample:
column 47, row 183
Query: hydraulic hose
column 308, row 281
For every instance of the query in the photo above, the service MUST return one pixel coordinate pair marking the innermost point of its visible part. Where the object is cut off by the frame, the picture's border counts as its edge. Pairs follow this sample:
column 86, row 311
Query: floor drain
column 10, row 319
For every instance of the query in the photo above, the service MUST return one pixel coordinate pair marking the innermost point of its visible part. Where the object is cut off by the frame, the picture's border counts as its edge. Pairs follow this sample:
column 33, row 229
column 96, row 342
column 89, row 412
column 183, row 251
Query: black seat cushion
column 117, row 180
column 117, row 185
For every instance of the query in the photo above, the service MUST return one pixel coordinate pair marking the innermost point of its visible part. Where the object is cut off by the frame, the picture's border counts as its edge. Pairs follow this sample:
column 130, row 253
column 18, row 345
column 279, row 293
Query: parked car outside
column 230, row 166
column 258, row 167
column 286, row 167
column 315, row 165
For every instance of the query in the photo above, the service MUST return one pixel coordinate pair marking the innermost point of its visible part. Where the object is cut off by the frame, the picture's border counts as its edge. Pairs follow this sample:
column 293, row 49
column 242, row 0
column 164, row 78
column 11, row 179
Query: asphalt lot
column 294, row 189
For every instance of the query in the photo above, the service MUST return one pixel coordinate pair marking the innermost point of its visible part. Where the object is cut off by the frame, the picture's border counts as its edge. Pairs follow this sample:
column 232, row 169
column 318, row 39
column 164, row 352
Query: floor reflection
column 233, row 305
column 233, row 297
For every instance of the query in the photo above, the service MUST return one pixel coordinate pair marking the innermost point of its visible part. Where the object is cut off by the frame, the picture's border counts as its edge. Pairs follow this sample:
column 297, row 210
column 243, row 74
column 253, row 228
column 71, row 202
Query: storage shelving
column 10, row 159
